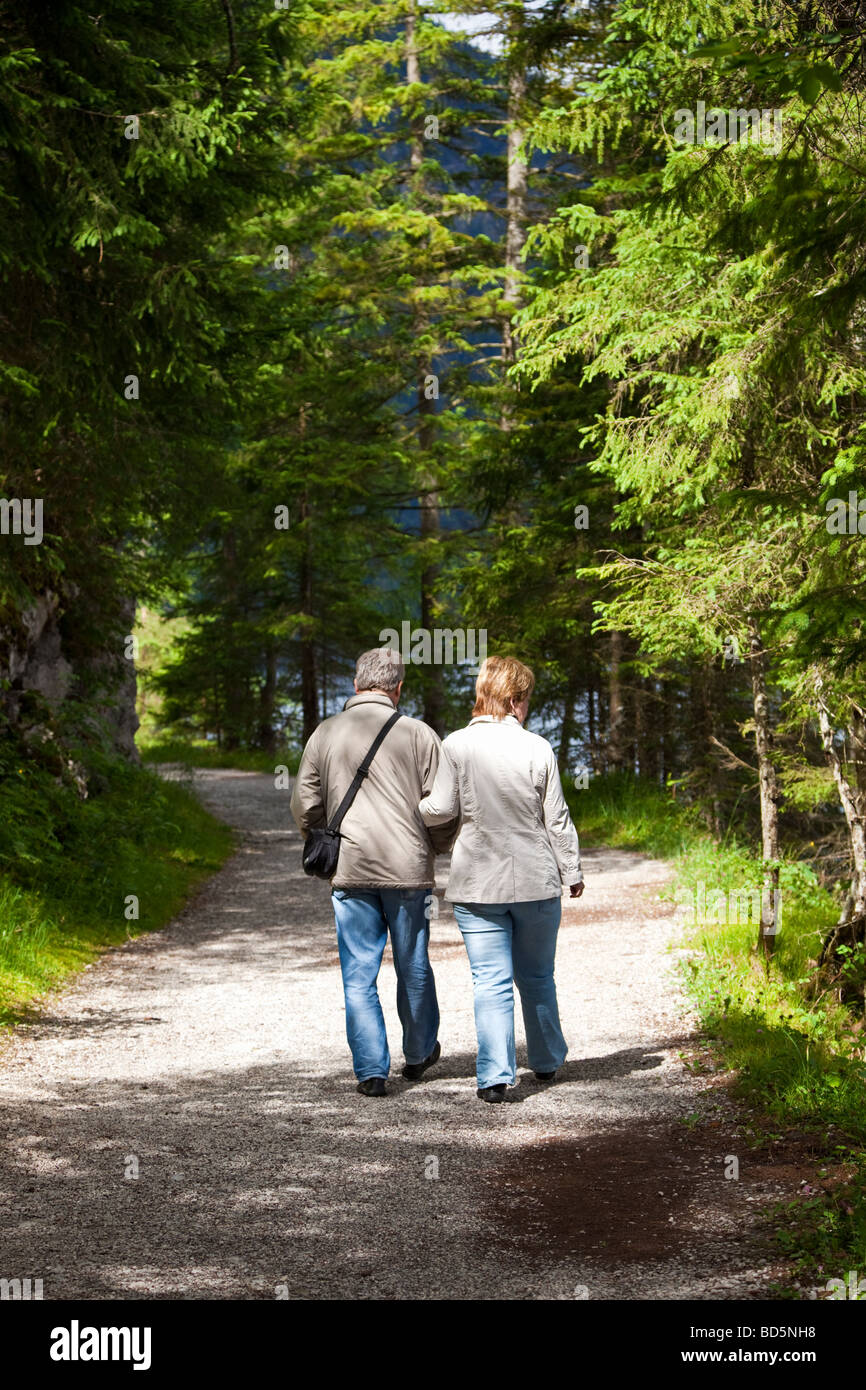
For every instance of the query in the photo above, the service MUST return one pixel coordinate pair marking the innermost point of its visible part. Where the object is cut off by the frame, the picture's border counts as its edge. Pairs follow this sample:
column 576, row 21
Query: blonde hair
column 501, row 680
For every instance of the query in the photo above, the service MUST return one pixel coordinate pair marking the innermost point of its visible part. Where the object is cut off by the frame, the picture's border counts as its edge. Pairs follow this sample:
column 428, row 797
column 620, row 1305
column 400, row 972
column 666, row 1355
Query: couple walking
column 490, row 790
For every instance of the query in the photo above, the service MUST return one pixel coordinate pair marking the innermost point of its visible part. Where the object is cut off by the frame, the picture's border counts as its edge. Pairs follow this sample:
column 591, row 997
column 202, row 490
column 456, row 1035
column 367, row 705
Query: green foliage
column 823, row 1234
column 194, row 754
column 127, row 300
column 68, row 866
column 628, row 812
column 282, row 258
column 795, row 1056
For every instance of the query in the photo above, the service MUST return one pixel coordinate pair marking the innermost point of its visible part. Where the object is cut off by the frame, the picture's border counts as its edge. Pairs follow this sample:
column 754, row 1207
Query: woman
column 516, row 847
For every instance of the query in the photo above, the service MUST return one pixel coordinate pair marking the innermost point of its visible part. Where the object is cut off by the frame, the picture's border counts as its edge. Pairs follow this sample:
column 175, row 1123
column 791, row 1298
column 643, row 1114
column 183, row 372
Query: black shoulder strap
column 362, row 771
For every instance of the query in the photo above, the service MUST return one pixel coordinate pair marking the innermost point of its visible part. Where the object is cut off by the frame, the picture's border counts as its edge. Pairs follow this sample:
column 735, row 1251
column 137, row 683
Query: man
column 384, row 878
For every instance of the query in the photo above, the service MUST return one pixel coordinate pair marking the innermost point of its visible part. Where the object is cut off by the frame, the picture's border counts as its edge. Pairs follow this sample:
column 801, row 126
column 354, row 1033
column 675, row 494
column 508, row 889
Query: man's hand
column 575, row 890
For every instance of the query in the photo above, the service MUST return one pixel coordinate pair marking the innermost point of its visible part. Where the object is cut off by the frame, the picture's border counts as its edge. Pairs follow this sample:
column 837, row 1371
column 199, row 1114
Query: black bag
column 322, row 847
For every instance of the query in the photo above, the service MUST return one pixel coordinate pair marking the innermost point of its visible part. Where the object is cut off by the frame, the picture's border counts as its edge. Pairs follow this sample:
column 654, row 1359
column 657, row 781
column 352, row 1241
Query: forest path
column 211, row 1058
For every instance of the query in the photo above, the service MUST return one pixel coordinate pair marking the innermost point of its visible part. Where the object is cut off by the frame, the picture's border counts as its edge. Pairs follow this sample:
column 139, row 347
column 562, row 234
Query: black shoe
column 373, row 1086
column 415, row 1070
column 494, row 1094
column 545, row 1076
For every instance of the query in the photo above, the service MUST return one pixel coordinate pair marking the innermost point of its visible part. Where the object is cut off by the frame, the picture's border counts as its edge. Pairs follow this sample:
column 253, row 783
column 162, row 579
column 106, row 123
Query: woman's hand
column 575, row 890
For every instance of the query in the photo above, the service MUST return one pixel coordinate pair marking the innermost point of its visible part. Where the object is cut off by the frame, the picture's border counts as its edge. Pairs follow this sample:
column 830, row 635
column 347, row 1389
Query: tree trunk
column 237, row 690
column 569, row 724
column 309, row 703
column 647, row 711
column 709, row 694
column 616, row 714
column 668, row 722
column 850, row 930
column 516, row 182
column 638, row 722
column 433, row 679
column 267, row 733
column 769, row 791
column 594, row 753
column 630, row 697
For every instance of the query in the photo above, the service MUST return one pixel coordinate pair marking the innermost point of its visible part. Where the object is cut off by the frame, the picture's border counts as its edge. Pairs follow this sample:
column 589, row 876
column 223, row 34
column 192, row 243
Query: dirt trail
column 210, row 1058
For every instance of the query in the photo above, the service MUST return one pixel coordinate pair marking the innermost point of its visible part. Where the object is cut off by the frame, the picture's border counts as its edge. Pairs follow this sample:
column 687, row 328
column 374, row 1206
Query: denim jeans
column 363, row 922
column 513, row 943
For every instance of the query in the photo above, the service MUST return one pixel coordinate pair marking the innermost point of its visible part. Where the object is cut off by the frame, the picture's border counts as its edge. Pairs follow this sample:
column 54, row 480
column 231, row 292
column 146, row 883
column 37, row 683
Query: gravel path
column 210, row 1059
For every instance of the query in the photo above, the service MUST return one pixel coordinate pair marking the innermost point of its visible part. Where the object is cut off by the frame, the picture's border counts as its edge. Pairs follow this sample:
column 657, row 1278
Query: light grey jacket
column 517, row 841
column 384, row 843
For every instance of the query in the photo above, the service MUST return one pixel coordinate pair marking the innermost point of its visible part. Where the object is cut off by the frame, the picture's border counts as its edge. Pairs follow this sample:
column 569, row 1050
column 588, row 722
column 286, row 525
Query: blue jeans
column 363, row 921
column 511, row 943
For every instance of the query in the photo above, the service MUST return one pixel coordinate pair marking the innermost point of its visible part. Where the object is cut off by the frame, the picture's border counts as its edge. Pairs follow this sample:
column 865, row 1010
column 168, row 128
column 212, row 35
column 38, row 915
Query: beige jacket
column 517, row 842
column 384, row 843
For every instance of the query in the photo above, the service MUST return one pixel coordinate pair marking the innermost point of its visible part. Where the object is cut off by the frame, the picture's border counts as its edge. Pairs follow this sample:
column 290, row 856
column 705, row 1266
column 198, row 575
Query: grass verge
column 796, row 1056
column 627, row 813
column 79, row 875
column 200, row 753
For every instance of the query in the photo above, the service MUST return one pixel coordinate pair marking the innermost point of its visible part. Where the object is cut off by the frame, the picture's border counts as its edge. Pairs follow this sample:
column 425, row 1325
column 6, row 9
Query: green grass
column 796, row 1051
column 797, row 1055
column 70, row 867
column 199, row 753
column 824, row 1236
column 627, row 813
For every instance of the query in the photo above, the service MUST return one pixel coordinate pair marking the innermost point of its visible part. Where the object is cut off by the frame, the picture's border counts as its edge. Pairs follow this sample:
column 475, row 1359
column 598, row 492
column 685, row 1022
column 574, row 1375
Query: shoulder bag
column 322, row 847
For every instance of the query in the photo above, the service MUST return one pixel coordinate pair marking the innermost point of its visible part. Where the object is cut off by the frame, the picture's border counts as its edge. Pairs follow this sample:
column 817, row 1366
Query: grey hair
column 379, row 669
